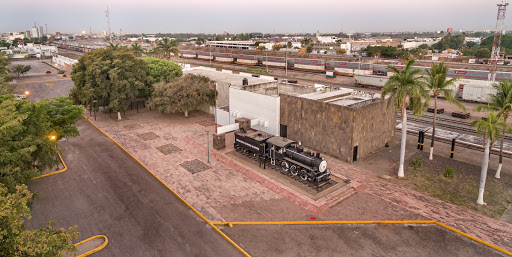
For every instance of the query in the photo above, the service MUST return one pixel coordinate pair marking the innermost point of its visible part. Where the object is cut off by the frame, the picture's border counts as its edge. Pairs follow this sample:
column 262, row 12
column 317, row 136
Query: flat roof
column 344, row 97
column 224, row 77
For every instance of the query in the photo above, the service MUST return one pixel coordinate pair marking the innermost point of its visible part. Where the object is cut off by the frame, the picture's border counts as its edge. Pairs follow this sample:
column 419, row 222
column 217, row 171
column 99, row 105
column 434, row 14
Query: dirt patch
column 194, row 166
column 168, row 149
column 132, row 126
column 460, row 190
column 148, row 136
column 206, row 123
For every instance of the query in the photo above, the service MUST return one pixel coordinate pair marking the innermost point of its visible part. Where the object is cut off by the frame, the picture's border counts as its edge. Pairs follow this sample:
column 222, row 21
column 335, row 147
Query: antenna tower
column 107, row 14
column 495, row 55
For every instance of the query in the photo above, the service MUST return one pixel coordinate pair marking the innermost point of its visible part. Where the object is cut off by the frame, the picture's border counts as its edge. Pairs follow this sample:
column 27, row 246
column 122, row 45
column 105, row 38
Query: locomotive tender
column 286, row 153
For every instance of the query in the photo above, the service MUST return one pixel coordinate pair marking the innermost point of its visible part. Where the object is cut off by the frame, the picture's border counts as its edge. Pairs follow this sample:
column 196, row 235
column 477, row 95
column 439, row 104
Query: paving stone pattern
column 148, row 136
column 194, row 166
column 168, row 149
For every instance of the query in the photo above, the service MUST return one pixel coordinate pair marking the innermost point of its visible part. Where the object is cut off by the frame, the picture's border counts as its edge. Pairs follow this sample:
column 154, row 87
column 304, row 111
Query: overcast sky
column 235, row 16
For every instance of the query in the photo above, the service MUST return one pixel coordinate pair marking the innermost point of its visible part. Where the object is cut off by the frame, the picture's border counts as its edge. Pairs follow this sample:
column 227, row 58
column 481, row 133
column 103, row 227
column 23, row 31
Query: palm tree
column 490, row 129
column 402, row 88
column 438, row 85
column 113, row 47
column 167, row 47
column 502, row 103
column 137, row 49
column 306, row 41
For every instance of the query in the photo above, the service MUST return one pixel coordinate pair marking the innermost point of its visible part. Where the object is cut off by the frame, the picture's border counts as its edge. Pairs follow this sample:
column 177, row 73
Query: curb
column 93, row 250
column 55, row 172
column 176, row 194
column 230, row 224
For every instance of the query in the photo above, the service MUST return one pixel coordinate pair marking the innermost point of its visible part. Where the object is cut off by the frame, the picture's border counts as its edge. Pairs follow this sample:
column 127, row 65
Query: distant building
column 477, row 40
column 37, row 31
column 232, row 44
column 416, row 42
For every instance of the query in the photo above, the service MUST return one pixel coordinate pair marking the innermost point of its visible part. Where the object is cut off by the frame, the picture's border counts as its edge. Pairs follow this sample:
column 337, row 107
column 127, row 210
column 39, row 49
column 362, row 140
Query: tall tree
column 63, row 116
column 25, row 147
column 137, row 49
column 16, row 241
column 500, row 102
column 108, row 78
column 401, row 89
column 490, row 129
column 168, row 47
column 183, row 94
column 437, row 83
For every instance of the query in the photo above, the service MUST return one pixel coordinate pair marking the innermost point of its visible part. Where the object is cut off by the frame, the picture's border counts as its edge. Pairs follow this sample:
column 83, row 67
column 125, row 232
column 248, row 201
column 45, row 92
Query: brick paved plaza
column 174, row 148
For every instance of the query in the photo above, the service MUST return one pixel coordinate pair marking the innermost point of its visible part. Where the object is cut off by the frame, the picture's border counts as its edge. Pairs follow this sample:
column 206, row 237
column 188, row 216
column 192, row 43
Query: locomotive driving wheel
column 293, row 170
column 285, row 166
column 303, row 175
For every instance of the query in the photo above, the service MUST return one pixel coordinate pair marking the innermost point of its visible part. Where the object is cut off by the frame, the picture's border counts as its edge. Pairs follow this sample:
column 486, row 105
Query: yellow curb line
column 473, row 238
column 93, row 250
column 55, row 172
column 176, row 194
column 230, row 224
column 31, row 82
column 322, row 222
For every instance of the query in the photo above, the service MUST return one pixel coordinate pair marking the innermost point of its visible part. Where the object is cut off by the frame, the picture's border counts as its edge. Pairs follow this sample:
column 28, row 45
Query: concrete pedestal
column 219, row 141
column 244, row 123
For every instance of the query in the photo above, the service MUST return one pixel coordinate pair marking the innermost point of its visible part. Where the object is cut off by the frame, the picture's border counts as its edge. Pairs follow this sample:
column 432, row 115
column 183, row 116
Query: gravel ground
column 461, row 190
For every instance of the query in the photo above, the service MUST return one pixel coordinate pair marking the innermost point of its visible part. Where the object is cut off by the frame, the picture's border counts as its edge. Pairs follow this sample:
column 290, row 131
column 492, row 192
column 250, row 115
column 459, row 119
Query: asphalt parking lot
column 355, row 240
column 105, row 192
column 41, row 86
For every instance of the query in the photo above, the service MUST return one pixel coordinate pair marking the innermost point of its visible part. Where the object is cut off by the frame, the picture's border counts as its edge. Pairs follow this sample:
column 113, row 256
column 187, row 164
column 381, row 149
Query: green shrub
column 417, row 162
column 449, row 173
column 60, row 72
column 386, row 145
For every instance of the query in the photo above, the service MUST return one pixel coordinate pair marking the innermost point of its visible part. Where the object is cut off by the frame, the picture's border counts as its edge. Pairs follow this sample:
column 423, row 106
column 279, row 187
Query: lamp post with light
column 54, row 138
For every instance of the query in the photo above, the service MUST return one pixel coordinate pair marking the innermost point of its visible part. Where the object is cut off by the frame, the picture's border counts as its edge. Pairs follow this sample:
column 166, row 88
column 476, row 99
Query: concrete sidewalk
column 224, row 194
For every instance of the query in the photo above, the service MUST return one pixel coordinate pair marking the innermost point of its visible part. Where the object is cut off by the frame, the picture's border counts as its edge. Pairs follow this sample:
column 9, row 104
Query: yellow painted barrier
column 176, row 194
column 230, row 224
column 55, row 172
column 93, row 250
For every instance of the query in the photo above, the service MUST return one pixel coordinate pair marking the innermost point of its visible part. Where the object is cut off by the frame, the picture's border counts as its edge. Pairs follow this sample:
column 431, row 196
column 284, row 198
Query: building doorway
column 283, row 130
column 354, row 156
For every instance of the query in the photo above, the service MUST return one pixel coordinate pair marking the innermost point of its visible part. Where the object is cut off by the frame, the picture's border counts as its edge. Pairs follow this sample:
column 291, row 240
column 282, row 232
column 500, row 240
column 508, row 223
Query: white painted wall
column 255, row 106
column 223, row 117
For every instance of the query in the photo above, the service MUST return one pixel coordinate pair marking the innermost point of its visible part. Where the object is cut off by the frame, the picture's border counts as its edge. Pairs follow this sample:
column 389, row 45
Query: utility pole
column 495, row 55
column 286, row 62
column 108, row 24
column 266, row 54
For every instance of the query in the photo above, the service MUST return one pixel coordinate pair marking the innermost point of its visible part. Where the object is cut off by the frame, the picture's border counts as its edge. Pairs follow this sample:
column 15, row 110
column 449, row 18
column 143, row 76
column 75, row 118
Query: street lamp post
column 208, row 144
column 53, row 138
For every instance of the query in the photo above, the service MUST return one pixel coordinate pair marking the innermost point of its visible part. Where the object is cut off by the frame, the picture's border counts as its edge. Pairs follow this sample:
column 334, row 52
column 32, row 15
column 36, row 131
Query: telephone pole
column 496, row 46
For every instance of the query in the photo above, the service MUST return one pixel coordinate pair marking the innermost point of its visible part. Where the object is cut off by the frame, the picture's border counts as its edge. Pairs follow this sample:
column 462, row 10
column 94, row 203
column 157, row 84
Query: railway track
column 449, row 124
column 461, row 144
column 238, row 67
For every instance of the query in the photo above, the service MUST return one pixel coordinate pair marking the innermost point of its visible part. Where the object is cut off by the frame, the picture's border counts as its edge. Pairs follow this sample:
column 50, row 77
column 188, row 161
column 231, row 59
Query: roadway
column 104, row 191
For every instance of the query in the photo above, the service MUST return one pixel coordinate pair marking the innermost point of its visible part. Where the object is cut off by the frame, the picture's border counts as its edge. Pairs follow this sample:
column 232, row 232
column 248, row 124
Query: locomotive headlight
column 323, row 166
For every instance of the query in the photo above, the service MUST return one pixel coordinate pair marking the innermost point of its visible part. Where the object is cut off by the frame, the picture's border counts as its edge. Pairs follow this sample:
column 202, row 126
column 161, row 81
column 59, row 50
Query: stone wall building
column 345, row 124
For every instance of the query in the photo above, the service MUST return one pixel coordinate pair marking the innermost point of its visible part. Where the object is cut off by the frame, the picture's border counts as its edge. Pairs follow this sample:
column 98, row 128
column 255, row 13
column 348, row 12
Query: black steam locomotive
column 286, row 153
